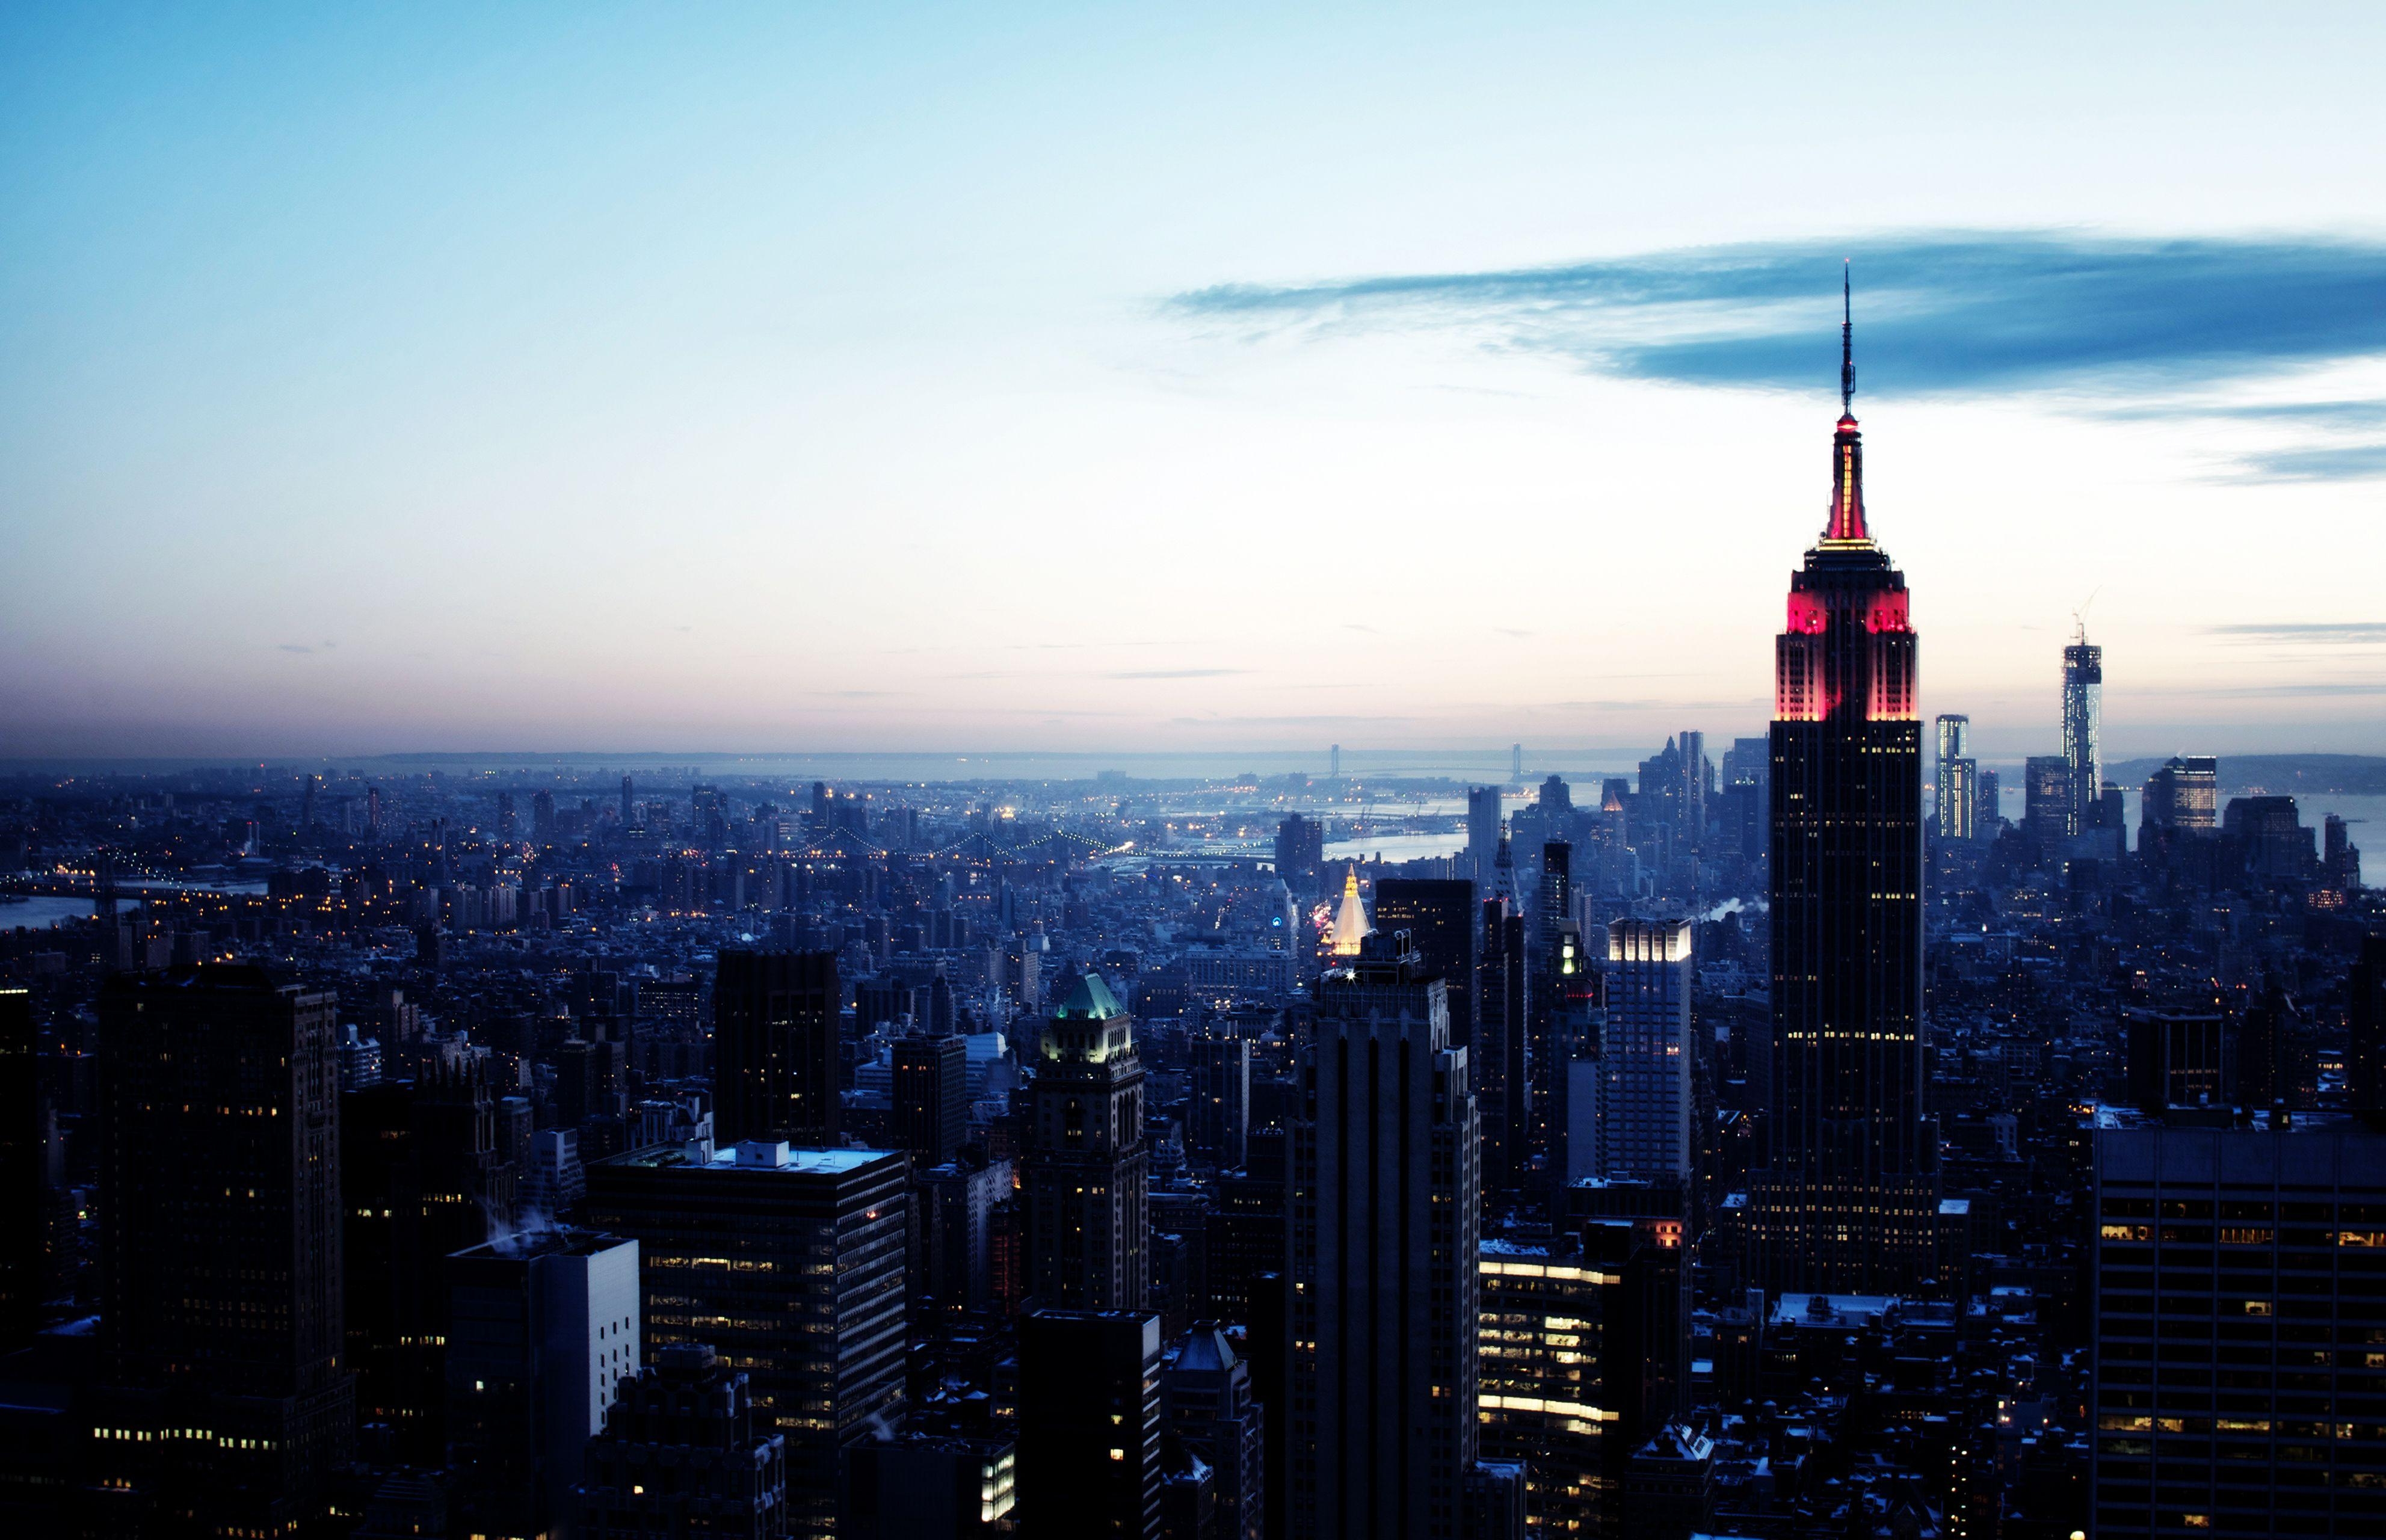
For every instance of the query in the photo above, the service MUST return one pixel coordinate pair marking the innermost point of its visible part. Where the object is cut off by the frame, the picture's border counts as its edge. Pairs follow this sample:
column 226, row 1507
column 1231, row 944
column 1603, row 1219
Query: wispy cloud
column 2344, row 633
column 1179, row 674
column 1946, row 313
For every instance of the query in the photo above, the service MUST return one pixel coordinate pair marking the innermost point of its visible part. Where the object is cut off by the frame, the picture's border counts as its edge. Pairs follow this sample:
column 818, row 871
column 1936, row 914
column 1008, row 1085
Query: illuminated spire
column 1351, row 925
column 1847, row 526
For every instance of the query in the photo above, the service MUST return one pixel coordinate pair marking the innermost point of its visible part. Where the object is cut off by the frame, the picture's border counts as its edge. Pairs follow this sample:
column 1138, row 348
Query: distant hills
column 2279, row 774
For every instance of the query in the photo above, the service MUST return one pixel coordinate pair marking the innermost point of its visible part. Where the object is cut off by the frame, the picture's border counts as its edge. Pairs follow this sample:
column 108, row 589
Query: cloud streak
column 1942, row 313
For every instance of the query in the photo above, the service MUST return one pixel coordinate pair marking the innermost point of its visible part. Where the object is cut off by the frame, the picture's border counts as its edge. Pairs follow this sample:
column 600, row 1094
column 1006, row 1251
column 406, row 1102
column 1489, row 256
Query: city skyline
column 380, row 395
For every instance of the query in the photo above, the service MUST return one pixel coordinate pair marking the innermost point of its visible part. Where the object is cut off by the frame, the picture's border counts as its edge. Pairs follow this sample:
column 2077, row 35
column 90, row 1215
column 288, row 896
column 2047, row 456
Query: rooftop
column 754, row 1154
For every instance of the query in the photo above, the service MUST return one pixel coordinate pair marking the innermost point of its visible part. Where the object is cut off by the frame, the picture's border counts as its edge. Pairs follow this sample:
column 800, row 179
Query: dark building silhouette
column 1444, row 925
column 421, row 1179
column 931, row 1096
column 1207, row 1411
column 1300, row 850
column 1218, row 1116
column 1086, row 1163
column 219, row 1254
column 1850, row 1197
column 922, row 1486
column 2176, row 1059
column 2365, row 1024
column 774, row 1039
column 543, row 1328
column 789, row 1262
column 1386, row 1213
column 1496, row 1059
column 1089, row 1424
column 2234, row 1317
column 681, row 1454
column 22, row 1264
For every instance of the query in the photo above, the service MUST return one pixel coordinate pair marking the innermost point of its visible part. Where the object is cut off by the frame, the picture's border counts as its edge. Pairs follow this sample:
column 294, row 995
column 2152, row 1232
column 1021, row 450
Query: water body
column 40, row 914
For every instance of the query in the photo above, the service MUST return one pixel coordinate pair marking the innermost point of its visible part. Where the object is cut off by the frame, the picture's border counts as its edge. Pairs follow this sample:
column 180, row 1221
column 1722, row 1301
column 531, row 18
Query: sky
column 1137, row 379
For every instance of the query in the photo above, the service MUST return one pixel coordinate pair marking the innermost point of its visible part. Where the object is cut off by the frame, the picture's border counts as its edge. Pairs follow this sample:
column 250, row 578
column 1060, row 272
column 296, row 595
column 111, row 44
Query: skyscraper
column 1957, row 772
column 1849, row 1198
column 2184, row 794
column 219, row 1252
column 1207, row 1407
column 1086, row 1162
column 689, row 1414
column 2282, row 1436
column 2083, row 730
column 1644, row 1075
column 789, row 1262
column 629, row 815
column 931, row 1096
column 1496, row 1058
column 1089, row 1424
column 21, row 1249
column 1482, row 829
column 775, row 1047
column 1441, row 917
column 1383, row 1232
column 1220, row 1095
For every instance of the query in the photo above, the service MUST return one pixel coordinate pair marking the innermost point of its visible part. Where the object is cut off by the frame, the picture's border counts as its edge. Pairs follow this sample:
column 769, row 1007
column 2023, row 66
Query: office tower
column 2269, row 836
column 1086, row 1163
column 1386, row 1215
column 1545, row 1058
column 508, row 825
column 1957, row 769
column 1695, row 775
column 1482, row 830
column 1644, row 1077
column 1645, row 1315
column 1541, row 1357
column 681, row 1454
column 1442, row 921
column 541, row 817
column 1849, row 1197
column 1350, row 926
column 2175, row 1059
column 22, row 1254
column 931, row 1096
column 1245, row 1249
column 1557, row 799
column 543, row 1327
column 958, row 1201
column 1300, row 849
column 1220, row 1097
column 2235, row 1319
column 1496, row 1059
column 219, row 1252
column 774, row 1025
column 2046, row 807
column 1988, row 812
column 922, row 1486
column 1206, row 1408
column 306, row 804
column 2339, row 859
column 2184, row 794
column 1334, row 761
column 1089, row 1423
column 789, row 1262
column 2365, row 1033
column 2083, row 728
column 554, row 1179
column 1515, row 764
column 629, row 812
column 420, row 1177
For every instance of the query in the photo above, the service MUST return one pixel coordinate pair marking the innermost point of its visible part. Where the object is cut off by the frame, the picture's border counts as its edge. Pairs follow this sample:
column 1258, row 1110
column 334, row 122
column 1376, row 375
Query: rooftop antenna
column 1847, row 339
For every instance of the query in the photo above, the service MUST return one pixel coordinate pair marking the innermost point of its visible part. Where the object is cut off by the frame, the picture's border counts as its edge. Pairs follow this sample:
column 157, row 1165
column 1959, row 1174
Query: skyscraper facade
column 789, row 1262
column 775, row 1047
column 1644, row 1075
column 1849, row 1197
column 931, row 1096
column 1087, row 1165
column 1440, row 915
column 225, row 1393
column 1089, row 1423
column 2184, row 794
column 1958, row 773
column 1385, row 1225
column 2083, row 730
column 1482, row 829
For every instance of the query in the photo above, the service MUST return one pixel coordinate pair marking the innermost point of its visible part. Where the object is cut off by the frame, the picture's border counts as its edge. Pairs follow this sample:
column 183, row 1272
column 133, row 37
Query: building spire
column 1847, row 340
column 1847, row 525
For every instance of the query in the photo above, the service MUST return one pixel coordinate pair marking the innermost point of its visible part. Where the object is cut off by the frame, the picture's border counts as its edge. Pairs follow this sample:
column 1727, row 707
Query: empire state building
column 1847, row 1202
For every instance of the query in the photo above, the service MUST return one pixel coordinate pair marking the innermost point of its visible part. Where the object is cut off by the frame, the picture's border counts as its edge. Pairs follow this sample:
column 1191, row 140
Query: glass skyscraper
column 2083, row 730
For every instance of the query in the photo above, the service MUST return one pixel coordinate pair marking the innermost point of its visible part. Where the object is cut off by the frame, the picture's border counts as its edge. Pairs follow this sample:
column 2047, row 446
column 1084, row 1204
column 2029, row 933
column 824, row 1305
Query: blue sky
column 846, row 378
